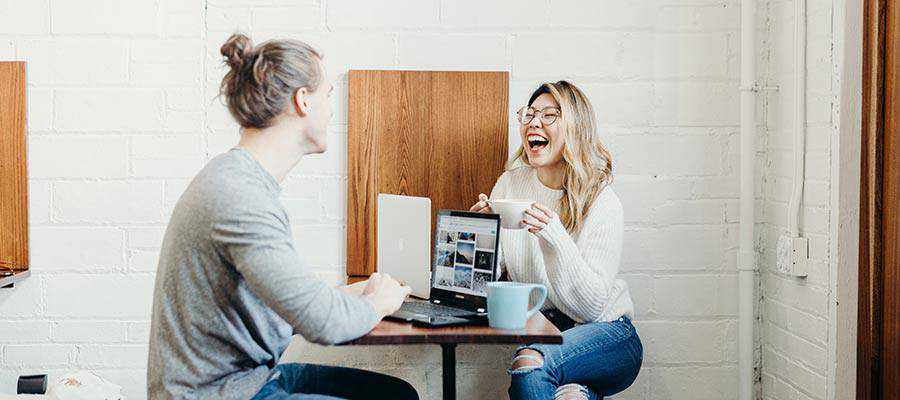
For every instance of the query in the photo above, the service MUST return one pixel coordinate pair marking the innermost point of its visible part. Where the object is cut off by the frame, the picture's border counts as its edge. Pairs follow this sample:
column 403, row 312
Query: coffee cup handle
column 537, row 306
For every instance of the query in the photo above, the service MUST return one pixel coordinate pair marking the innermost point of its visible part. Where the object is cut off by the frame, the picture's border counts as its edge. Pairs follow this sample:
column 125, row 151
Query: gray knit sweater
column 231, row 288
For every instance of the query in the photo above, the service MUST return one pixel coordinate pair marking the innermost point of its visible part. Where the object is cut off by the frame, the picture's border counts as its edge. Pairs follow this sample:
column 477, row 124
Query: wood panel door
column 13, row 175
column 878, row 355
column 441, row 135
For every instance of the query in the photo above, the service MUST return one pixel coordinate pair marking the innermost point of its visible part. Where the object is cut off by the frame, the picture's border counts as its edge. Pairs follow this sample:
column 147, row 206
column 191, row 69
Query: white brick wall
column 25, row 18
column 102, row 17
column 98, row 62
column 121, row 115
column 794, row 312
column 121, row 109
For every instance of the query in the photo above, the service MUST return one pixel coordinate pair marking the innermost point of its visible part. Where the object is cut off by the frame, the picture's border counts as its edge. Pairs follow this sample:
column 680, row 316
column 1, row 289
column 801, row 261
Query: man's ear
column 301, row 102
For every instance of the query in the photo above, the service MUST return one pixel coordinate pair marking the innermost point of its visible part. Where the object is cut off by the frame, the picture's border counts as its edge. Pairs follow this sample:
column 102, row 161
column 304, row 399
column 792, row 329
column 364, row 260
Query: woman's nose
column 535, row 122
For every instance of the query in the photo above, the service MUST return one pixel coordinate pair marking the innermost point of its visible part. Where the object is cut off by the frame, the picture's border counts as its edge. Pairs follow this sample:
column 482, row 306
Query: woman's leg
column 310, row 381
column 595, row 360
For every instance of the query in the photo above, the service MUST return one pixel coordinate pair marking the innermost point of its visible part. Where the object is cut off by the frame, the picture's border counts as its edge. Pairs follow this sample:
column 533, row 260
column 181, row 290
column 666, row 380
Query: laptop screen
column 465, row 256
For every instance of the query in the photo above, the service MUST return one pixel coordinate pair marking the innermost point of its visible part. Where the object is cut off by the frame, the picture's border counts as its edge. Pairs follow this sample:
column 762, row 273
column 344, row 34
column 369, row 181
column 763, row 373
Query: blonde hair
column 588, row 164
column 263, row 79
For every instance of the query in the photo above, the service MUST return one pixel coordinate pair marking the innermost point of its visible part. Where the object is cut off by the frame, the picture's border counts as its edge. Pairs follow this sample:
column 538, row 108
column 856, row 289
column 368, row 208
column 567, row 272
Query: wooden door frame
column 879, row 195
column 868, row 377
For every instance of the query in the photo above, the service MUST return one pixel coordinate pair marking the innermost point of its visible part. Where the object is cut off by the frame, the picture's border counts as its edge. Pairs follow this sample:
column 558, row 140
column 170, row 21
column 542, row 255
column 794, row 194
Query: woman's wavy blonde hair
column 588, row 164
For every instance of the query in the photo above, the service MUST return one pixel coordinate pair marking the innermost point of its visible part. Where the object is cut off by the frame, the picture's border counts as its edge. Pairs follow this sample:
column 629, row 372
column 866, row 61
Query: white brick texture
column 25, row 17
column 96, row 62
column 138, row 17
column 794, row 312
column 77, row 156
column 370, row 14
column 121, row 109
column 103, row 296
column 122, row 114
column 55, row 248
column 88, row 331
column 108, row 202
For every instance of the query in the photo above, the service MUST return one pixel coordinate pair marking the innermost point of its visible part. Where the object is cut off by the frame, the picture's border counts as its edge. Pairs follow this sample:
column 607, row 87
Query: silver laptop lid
column 404, row 241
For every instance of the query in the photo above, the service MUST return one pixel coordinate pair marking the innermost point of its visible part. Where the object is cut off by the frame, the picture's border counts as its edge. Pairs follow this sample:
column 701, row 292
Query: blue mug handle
column 537, row 306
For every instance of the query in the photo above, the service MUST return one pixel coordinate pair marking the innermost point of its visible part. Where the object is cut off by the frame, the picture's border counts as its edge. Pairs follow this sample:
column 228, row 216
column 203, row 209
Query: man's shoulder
column 231, row 179
column 226, row 188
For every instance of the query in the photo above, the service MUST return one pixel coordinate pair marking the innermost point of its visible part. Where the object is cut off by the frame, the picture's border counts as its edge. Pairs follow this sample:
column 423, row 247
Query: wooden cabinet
column 13, row 176
column 442, row 135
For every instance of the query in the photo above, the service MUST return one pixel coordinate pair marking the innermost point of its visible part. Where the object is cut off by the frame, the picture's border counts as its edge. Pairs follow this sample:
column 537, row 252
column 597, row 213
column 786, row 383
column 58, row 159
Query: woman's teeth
column 537, row 143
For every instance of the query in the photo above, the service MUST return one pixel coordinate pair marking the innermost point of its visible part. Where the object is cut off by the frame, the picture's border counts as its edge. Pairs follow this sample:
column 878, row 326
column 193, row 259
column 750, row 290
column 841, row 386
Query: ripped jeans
column 595, row 360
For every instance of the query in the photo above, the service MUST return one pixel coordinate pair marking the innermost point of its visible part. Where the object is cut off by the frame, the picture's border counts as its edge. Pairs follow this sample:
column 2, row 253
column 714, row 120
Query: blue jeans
column 597, row 359
column 297, row 381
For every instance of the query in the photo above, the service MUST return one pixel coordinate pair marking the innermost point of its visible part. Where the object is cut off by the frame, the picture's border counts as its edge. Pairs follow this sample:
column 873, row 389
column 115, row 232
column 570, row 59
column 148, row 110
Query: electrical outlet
column 792, row 256
column 800, row 256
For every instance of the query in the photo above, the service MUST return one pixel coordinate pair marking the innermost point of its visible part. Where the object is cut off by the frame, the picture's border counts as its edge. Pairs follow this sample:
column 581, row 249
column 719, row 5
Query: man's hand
column 385, row 293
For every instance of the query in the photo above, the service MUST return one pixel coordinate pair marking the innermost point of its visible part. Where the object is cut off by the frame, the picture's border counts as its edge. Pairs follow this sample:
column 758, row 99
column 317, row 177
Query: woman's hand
column 482, row 205
column 538, row 217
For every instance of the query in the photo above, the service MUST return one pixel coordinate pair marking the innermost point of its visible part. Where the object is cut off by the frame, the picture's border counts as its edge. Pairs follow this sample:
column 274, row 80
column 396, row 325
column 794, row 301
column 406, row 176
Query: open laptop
column 453, row 276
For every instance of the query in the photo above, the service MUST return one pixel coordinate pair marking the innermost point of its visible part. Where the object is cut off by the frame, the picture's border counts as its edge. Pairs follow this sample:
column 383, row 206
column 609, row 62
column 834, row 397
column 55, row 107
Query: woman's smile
column 536, row 142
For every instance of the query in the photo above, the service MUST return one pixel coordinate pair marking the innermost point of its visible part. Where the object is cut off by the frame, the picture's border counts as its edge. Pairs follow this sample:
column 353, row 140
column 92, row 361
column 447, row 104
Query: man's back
column 231, row 290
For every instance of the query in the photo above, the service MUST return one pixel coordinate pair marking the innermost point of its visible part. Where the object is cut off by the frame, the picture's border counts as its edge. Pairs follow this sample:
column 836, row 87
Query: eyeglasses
column 548, row 115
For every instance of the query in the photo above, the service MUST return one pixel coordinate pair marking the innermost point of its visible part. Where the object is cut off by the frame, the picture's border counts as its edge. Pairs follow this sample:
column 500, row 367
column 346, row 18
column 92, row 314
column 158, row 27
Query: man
column 231, row 289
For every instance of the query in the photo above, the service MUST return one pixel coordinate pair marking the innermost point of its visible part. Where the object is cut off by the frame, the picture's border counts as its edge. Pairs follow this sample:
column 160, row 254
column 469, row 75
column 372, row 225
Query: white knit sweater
column 579, row 271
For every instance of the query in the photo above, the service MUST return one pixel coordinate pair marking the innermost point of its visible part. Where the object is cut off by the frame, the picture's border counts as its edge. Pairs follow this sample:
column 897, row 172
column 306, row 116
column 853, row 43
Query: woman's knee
column 571, row 391
column 527, row 360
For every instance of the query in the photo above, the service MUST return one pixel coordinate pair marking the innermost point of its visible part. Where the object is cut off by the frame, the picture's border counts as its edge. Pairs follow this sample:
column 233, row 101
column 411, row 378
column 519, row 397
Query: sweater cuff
column 554, row 234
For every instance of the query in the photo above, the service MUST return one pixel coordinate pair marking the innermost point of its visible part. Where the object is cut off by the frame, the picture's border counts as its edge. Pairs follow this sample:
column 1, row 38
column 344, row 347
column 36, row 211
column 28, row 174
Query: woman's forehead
column 544, row 100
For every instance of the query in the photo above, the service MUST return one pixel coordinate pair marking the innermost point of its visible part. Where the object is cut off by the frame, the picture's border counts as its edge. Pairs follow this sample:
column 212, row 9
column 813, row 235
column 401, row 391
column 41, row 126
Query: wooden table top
column 537, row 330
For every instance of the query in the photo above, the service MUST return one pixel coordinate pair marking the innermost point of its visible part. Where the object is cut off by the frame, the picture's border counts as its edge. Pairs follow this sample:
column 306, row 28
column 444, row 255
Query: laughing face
column 542, row 137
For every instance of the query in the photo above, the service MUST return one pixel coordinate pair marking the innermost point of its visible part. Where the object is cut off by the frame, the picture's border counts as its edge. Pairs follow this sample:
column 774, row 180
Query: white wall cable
column 792, row 251
column 799, row 130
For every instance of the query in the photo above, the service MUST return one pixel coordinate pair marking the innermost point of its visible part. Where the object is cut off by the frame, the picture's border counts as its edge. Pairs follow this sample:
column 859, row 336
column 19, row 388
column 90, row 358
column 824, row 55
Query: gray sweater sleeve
column 258, row 243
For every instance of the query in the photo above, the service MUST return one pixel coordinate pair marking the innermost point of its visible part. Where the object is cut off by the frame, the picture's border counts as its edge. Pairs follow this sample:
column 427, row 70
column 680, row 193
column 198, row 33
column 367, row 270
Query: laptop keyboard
column 427, row 308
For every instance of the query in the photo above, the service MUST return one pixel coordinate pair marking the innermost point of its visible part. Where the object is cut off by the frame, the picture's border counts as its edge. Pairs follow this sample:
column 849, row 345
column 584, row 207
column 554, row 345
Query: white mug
column 512, row 212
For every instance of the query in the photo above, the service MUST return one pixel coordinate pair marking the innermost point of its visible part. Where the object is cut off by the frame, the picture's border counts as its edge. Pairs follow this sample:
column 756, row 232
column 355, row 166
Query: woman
column 572, row 246
column 231, row 289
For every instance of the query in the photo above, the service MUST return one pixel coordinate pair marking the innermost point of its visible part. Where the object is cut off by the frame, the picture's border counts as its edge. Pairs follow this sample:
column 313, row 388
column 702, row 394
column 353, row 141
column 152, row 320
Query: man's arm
column 354, row 288
column 259, row 245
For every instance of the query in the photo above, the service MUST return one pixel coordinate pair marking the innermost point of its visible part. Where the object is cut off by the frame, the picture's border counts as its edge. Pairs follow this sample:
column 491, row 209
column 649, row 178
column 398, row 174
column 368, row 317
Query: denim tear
column 571, row 391
column 522, row 370
column 538, row 359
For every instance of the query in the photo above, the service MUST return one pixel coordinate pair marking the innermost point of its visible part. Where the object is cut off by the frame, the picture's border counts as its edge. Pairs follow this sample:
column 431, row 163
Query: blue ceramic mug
column 507, row 303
